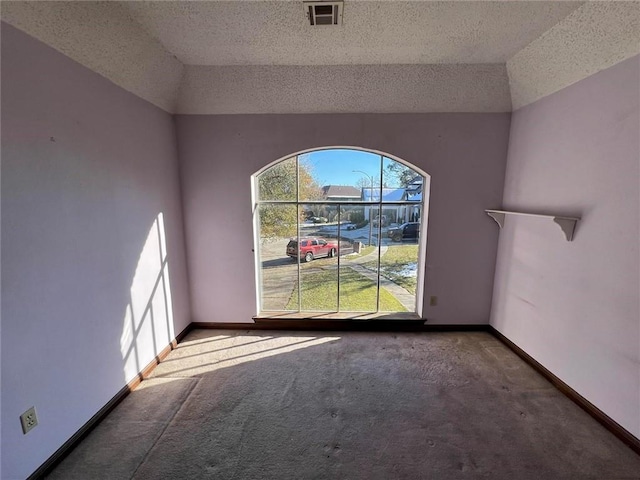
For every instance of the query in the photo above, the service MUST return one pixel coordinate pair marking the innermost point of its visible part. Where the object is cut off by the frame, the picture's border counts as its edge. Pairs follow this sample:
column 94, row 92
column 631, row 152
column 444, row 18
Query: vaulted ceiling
column 372, row 33
column 387, row 56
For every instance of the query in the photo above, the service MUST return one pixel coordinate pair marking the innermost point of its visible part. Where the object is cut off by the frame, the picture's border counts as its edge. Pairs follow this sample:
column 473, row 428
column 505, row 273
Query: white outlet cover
column 29, row 420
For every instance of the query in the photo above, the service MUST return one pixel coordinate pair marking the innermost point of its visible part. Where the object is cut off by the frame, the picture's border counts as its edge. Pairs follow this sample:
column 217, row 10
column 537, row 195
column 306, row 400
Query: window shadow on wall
column 148, row 318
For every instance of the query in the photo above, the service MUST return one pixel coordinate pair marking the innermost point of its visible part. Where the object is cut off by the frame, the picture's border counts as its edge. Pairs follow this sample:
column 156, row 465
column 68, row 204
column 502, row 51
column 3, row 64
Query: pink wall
column 465, row 155
column 86, row 170
column 574, row 307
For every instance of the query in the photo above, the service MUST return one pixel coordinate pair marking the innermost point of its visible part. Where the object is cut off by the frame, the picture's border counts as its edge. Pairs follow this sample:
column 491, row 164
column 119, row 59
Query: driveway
column 279, row 274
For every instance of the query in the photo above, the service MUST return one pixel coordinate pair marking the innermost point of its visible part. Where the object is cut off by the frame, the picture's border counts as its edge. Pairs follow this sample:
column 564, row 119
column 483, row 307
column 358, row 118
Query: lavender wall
column 465, row 155
column 87, row 169
column 574, row 307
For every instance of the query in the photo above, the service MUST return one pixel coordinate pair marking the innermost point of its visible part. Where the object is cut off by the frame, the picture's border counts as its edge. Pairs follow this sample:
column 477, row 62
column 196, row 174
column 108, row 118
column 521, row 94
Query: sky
column 335, row 167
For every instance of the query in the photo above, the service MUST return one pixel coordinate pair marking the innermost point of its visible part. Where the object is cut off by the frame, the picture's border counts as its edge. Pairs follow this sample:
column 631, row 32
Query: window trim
column 424, row 216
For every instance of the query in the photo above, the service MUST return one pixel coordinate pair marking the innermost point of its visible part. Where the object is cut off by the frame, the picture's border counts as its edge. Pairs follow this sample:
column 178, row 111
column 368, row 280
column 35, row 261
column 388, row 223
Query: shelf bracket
column 568, row 225
column 498, row 217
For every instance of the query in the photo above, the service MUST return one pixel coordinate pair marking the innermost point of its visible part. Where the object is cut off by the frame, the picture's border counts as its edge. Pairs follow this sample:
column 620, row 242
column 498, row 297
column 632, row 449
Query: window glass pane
column 358, row 287
column 398, row 276
column 396, row 175
column 319, row 260
column 339, row 175
column 278, row 182
column 308, row 180
column 356, row 225
column 358, row 268
column 405, row 185
column 278, row 270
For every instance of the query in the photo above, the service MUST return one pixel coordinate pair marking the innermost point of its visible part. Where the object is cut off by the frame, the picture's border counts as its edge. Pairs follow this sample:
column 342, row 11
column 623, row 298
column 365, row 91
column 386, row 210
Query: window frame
column 423, row 222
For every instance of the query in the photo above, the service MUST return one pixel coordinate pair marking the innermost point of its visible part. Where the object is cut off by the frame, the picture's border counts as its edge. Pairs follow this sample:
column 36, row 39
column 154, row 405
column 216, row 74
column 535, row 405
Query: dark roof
column 345, row 191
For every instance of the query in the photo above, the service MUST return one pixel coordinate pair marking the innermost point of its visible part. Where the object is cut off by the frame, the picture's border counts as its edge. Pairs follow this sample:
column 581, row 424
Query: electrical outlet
column 29, row 420
column 433, row 301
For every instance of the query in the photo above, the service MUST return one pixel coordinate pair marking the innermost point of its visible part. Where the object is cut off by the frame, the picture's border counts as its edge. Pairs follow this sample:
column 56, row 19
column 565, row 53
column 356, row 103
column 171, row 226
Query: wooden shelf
column 567, row 224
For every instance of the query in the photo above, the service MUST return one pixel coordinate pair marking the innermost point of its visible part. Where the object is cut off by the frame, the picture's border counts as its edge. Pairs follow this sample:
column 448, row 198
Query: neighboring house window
column 340, row 230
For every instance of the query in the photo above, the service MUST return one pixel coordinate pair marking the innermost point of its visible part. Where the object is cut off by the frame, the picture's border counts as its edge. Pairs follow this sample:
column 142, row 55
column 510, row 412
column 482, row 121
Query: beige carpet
column 347, row 405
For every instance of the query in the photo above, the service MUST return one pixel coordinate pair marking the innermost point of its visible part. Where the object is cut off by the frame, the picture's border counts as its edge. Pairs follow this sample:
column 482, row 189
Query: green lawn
column 366, row 250
column 357, row 293
column 394, row 261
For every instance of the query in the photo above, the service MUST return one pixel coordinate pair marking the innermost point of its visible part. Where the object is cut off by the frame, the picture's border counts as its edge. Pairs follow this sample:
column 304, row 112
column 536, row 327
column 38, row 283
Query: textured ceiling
column 255, row 56
column 594, row 37
column 345, row 89
column 373, row 32
column 102, row 37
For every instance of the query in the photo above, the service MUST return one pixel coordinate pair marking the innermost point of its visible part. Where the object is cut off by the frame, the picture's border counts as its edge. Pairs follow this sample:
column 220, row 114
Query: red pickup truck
column 312, row 247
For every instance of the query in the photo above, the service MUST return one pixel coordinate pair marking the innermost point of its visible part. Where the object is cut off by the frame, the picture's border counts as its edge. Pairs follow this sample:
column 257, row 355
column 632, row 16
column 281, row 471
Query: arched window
column 340, row 231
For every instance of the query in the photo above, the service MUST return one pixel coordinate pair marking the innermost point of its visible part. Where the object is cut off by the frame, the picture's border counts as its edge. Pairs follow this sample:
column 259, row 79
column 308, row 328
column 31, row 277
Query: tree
column 278, row 184
column 402, row 174
column 309, row 188
column 365, row 182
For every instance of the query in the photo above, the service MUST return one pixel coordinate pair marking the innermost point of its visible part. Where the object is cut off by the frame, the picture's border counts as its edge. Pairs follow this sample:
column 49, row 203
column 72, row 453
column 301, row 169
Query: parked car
column 312, row 247
column 406, row 231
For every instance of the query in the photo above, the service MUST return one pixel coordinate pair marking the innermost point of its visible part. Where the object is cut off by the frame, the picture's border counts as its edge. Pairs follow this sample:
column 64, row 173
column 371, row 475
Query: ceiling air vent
column 324, row 13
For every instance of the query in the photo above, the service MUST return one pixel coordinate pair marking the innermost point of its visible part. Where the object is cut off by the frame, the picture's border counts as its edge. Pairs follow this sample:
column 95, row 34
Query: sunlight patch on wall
column 148, row 319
